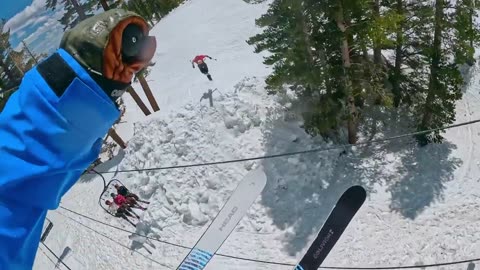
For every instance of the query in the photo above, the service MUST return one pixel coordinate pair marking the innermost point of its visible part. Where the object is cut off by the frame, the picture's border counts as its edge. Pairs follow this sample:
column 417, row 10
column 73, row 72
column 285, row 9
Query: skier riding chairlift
column 129, row 201
column 120, row 212
column 122, row 190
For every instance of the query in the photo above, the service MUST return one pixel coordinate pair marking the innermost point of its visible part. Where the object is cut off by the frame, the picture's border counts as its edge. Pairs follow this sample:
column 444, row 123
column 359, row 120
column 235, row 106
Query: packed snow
column 422, row 204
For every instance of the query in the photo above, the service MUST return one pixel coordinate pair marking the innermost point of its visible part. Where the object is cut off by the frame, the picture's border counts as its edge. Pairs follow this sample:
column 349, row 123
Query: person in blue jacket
column 51, row 128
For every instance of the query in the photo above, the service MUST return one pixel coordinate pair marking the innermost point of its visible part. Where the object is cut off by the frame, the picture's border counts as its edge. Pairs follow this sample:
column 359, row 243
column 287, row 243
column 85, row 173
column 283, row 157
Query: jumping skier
column 52, row 127
column 202, row 66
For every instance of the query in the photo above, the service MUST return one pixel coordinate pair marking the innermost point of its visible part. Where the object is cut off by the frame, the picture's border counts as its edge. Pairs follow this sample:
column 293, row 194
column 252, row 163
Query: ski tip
column 357, row 189
column 357, row 193
column 259, row 175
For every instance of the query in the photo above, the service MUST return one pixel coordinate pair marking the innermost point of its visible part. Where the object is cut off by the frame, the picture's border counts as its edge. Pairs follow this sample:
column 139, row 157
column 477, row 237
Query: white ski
column 231, row 213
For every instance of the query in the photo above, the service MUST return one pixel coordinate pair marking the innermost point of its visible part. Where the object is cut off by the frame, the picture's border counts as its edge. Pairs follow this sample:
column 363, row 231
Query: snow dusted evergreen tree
column 331, row 54
column 295, row 60
column 454, row 33
column 319, row 49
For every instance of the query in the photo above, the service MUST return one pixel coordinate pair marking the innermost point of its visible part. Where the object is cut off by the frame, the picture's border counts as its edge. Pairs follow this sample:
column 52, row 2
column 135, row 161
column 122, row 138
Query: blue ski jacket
column 46, row 142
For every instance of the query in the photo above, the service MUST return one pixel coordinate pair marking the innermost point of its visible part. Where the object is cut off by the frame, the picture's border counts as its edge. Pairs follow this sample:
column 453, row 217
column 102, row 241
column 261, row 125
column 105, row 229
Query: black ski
column 338, row 220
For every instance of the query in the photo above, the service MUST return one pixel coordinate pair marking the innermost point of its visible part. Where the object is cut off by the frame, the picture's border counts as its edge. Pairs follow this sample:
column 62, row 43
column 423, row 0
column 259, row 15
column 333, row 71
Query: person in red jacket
column 121, row 212
column 121, row 200
column 122, row 190
column 118, row 199
column 200, row 61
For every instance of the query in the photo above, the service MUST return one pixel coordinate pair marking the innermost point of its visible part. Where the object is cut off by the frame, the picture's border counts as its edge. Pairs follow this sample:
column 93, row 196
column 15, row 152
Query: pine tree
column 75, row 11
column 9, row 73
column 155, row 8
column 152, row 9
column 9, row 78
column 396, row 76
column 466, row 33
column 294, row 37
column 451, row 38
column 108, row 4
column 23, row 60
column 319, row 49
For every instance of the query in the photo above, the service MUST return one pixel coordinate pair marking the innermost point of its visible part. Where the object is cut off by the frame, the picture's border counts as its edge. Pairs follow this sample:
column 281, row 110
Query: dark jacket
column 122, row 190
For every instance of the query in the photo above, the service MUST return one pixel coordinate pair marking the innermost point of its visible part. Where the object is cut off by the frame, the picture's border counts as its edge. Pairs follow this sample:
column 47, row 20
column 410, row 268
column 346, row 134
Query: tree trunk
column 78, row 9
column 435, row 66
column 398, row 58
column 29, row 52
column 352, row 110
column 377, row 50
column 304, row 30
column 104, row 5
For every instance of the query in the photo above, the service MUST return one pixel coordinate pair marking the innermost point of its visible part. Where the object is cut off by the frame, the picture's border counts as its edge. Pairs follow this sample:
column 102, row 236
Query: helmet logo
column 98, row 28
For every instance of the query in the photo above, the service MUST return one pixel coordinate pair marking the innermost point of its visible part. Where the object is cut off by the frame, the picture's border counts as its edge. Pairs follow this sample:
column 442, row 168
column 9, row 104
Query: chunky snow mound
column 243, row 123
column 420, row 207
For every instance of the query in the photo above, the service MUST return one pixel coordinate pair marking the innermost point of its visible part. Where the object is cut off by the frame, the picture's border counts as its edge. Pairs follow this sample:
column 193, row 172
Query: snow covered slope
column 212, row 27
column 422, row 206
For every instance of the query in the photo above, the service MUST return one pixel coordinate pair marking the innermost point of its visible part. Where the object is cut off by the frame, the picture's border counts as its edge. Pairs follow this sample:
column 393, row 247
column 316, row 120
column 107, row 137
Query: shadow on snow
column 301, row 190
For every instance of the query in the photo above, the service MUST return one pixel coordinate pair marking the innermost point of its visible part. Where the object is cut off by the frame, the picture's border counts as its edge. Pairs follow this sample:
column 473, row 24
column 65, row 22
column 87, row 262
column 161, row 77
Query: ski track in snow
column 469, row 142
column 422, row 204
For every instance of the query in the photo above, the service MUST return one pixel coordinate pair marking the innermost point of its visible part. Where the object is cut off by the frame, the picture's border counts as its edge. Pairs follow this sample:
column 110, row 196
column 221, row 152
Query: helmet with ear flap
column 121, row 63
column 96, row 43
